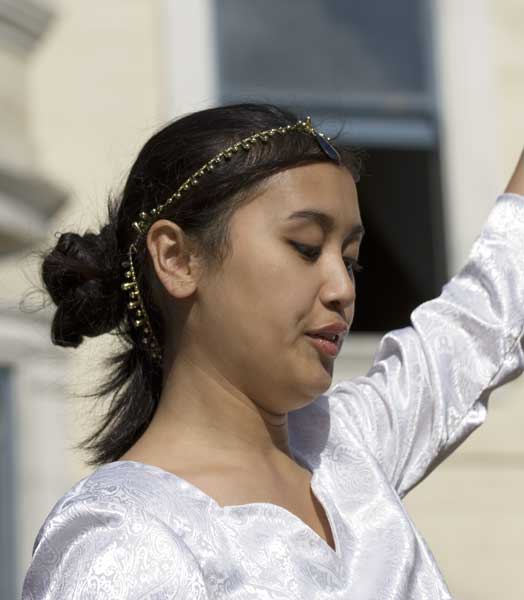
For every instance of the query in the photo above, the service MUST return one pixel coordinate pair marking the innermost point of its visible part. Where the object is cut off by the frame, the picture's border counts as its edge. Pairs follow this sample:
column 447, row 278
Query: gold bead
column 138, row 322
column 132, row 305
column 154, row 212
column 139, row 313
column 128, row 274
column 137, row 226
column 144, row 215
column 128, row 285
column 133, row 294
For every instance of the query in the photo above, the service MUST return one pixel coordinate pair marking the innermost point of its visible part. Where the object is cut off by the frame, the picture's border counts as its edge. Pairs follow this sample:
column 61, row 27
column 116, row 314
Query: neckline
column 232, row 508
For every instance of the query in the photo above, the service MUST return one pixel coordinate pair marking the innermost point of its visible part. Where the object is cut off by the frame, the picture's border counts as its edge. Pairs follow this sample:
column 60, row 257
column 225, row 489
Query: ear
column 174, row 262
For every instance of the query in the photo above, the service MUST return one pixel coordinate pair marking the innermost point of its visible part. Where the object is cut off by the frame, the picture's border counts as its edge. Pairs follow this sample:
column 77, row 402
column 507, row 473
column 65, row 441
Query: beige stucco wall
column 507, row 19
column 94, row 88
column 98, row 91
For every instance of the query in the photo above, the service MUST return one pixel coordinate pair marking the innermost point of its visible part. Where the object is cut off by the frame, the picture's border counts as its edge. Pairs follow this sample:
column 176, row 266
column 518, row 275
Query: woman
column 224, row 471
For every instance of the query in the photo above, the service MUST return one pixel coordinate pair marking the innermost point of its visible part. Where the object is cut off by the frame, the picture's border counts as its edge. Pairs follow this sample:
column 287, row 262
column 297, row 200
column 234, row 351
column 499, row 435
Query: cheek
column 270, row 294
column 284, row 302
column 264, row 291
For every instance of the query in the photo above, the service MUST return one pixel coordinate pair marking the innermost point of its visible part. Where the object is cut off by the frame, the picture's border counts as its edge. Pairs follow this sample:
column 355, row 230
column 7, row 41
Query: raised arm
column 516, row 183
column 429, row 385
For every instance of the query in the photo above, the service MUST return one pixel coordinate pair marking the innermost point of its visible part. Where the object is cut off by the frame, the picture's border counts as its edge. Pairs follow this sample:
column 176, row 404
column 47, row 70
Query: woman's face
column 252, row 317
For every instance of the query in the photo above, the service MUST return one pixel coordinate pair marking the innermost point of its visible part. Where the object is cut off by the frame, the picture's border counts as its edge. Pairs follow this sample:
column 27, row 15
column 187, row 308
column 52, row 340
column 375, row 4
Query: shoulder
column 120, row 492
column 105, row 538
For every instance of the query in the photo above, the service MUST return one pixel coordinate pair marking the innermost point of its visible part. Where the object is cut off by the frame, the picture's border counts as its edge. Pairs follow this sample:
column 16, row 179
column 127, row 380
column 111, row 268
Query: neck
column 202, row 415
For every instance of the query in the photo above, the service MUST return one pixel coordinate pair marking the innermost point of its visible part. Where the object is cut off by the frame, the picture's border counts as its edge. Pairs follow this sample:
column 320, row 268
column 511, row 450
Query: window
column 7, row 505
column 363, row 70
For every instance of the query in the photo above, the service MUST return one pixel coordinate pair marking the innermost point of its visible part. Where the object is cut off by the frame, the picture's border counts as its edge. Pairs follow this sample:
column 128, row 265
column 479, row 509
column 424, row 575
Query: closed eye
column 311, row 253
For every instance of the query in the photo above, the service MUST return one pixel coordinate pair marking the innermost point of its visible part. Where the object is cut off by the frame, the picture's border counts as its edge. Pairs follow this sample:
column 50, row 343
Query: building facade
column 432, row 91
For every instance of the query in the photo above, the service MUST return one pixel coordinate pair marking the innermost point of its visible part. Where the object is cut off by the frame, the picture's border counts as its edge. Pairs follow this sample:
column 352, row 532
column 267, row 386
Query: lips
column 325, row 346
column 333, row 332
column 332, row 337
column 328, row 339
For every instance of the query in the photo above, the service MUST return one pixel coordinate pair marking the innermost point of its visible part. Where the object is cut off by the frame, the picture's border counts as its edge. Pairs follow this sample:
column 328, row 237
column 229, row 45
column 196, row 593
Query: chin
column 323, row 382
column 328, row 365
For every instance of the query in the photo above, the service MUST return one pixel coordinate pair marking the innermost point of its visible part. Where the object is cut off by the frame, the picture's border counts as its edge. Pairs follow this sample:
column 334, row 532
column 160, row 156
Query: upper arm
column 429, row 384
column 91, row 551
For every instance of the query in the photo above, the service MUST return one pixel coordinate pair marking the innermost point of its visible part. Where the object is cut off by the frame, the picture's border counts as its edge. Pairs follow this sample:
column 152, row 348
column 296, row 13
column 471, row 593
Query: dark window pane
column 403, row 249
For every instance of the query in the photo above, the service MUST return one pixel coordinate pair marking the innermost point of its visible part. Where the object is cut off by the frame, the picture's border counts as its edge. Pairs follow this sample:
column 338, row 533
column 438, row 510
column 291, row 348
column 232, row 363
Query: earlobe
column 173, row 262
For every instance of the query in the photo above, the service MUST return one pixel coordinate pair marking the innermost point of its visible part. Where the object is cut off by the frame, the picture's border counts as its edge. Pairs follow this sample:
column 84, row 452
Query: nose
column 339, row 289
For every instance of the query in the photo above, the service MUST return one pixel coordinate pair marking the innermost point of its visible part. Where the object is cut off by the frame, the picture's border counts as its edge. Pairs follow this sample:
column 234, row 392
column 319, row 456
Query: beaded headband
column 139, row 316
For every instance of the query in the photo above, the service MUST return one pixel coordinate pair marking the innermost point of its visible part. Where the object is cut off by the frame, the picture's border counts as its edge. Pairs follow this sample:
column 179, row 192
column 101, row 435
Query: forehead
column 323, row 187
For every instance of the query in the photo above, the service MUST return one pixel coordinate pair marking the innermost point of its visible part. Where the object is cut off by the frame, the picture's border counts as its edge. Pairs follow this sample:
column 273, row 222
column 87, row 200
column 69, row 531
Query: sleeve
column 429, row 384
column 92, row 551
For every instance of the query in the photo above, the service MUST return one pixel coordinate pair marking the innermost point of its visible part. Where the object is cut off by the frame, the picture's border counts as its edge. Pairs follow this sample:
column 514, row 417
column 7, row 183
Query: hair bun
column 81, row 274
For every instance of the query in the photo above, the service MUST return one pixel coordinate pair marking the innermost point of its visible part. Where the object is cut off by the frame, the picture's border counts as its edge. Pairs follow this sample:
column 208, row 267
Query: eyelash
column 311, row 253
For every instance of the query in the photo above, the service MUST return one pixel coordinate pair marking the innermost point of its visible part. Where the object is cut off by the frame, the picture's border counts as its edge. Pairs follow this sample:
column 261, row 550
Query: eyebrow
column 328, row 223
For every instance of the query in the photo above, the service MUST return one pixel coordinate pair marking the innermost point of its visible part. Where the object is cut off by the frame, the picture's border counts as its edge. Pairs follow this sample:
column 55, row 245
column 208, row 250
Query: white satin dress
column 131, row 530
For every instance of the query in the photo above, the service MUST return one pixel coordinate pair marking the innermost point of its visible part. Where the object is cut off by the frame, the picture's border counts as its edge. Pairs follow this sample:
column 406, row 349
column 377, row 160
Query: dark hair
column 83, row 272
